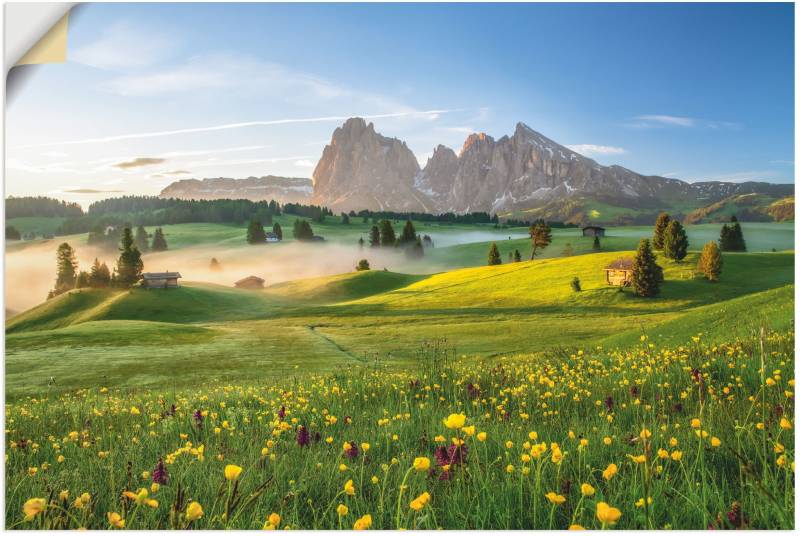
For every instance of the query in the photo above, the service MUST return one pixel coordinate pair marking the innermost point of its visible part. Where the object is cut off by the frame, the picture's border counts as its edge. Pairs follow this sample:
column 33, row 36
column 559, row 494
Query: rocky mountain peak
column 479, row 138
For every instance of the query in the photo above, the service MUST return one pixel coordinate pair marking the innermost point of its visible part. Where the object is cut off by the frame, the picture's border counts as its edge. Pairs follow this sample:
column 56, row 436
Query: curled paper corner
column 52, row 47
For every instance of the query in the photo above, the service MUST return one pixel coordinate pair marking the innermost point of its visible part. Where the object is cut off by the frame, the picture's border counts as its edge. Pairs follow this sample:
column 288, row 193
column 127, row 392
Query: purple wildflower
column 352, row 452
column 303, row 438
column 160, row 475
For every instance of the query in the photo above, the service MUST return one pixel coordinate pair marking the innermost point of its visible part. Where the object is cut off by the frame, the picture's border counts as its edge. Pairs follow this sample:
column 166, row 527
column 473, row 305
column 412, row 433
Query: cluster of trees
column 12, row 233
column 448, row 217
column 669, row 236
column 302, row 230
column 525, row 223
column 731, row 237
column 111, row 236
column 126, row 274
column 383, row 235
column 257, row 235
column 495, row 259
column 21, row 207
column 153, row 211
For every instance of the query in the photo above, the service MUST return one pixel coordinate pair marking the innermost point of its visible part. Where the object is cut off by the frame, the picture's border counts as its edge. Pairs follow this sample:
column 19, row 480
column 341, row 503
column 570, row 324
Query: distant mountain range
column 525, row 176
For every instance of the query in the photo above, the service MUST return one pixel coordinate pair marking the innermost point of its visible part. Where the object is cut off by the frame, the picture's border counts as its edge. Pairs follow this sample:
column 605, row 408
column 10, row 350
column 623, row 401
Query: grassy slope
column 38, row 225
column 326, row 323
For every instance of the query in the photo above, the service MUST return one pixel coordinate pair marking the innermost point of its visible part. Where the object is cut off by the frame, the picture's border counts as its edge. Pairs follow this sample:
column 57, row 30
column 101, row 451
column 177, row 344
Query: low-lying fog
column 30, row 269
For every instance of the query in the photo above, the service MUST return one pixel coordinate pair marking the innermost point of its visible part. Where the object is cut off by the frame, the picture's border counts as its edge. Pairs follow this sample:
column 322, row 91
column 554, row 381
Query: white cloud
column 588, row 149
column 123, row 46
column 304, row 163
column 671, row 120
column 663, row 120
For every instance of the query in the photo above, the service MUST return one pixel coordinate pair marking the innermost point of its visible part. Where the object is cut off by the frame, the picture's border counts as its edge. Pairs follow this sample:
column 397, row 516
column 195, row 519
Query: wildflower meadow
column 693, row 436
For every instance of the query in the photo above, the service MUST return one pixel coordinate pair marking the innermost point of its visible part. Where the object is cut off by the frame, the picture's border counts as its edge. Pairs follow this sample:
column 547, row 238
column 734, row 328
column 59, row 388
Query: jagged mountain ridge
column 363, row 169
column 281, row 189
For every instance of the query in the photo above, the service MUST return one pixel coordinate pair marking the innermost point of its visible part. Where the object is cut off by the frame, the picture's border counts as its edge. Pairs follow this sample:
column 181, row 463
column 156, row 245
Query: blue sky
column 692, row 91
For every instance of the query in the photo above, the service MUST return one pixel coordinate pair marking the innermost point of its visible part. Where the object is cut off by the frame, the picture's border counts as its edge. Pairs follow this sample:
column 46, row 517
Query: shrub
column 575, row 284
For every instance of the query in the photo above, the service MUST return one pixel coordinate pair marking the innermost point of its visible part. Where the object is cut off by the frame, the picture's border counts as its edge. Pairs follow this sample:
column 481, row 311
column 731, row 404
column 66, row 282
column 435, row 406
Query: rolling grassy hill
column 202, row 332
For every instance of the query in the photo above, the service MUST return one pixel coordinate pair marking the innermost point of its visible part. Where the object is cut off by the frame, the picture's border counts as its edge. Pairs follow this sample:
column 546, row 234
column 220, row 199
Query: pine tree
column 159, row 241
column 737, row 238
column 725, row 238
column 129, row 264
column 255, row 232
column 646, row 278
column 302, row 230
column 277, row 230
column 374, row 237
column 568, row 251
column 345, row 219
column 82, row 281
column 427, row 241
column 415, row 251
column 141, row 239
column 596, row 243
column 675, row 241
column 387, row 234
column 99, row 275
column 409, row 234
column 362, row 266
column 540, row 237
column 215, row 265
column 66, row 269
column 517, row 256
column 710, row 262
column 361, row 243
column 494, row 255
column 575, row 284
column 658, row 233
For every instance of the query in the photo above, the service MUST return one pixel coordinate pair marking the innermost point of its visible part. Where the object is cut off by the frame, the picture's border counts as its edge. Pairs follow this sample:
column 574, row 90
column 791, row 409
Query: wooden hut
column 594, row 230
column 152, row 280
column 250, row 282
column 620, row 272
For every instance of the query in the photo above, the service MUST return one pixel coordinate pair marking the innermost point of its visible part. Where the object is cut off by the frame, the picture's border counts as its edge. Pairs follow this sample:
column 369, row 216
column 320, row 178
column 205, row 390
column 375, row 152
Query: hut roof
column 593, row 227
column 621, row 264
column 250, row 279
column 160, row 275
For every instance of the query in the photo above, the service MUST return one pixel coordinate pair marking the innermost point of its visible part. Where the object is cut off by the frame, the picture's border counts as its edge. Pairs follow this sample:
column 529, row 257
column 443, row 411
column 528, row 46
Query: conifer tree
column 409, row 234
column 737, row 238
column 255, row 232
column 387, row 234
column 215, row 265
column 517, row 256
column 82, row 281
column 361, row 242
column 568, row 251
column 494, row 255
column 658, row 233
column 66, row 269
column 99, row 275
column 675, row 241
column 540, row 237
column 646, row 273
column 129, row 264
column 374, row 237
column 415, row 250
column 141, row 239
column 710, row 262
column 159, row 241
column 345, row 219
column 277, row 230
column 596, row 243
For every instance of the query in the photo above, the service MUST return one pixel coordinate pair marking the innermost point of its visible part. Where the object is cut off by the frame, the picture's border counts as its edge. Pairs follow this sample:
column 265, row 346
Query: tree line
column 22, row 207
column 152, row 211
column 126, row 273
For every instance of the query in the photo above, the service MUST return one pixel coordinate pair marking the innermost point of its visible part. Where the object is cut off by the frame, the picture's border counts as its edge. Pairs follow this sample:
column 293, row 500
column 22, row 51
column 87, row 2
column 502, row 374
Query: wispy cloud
column 123, row 46
column 676, row 121
column 177, row 172
column 588, row 149
column 91, row 191
column 765, row 175
column 139, row 162
column 274, row 122
column 304, row 163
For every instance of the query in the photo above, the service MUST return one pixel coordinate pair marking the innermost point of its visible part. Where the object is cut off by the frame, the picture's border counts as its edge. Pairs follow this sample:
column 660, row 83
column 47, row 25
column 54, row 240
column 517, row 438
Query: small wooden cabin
column 250, row 282
column 594, row 230
column 160, row 280
column 620, row 273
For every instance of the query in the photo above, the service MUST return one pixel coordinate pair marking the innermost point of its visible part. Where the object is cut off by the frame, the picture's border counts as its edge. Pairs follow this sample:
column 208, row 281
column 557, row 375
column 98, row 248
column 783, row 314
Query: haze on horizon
column 154, row 93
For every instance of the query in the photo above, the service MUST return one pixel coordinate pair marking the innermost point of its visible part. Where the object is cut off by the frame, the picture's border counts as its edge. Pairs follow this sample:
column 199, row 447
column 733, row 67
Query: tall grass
column 701, row 436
